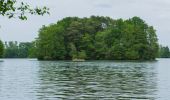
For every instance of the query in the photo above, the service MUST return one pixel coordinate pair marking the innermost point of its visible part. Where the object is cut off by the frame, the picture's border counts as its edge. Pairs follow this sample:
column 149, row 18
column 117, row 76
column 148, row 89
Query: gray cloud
column 103, row 6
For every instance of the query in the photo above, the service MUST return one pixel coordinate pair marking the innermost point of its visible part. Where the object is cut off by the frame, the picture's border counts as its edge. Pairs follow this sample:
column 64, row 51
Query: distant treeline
column 164, row 52
column 13, row 49
column 94, row 38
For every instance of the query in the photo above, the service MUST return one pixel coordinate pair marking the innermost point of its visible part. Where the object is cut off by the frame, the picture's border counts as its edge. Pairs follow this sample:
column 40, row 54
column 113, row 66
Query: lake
column 28, row 79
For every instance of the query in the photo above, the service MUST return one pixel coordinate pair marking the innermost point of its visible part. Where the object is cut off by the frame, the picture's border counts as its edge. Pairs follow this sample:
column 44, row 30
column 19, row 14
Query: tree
column 23, row 49
column 11, row 9
column 87, row 44
column 32, row 52
column 164, row 52
column 50, row 43
column 1, row 49
column 11, row 49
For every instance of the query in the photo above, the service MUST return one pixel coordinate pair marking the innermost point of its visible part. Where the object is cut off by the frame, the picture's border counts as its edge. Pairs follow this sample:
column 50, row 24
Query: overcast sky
column 154, row 12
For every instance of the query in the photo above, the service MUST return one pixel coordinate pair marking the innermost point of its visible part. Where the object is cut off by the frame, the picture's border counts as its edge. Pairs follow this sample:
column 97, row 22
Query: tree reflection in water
column 97, row 80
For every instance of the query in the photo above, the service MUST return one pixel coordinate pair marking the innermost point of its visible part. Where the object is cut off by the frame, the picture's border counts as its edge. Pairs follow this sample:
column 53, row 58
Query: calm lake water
column 26, row 79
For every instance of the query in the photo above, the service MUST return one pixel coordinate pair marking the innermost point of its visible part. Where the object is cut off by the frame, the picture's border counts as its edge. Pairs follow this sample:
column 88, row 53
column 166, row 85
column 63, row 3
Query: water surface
column 26, row 79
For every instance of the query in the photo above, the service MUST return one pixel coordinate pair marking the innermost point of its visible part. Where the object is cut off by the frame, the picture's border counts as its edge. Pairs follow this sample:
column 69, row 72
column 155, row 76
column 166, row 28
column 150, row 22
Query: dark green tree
column 11, row 49
column 164, row 52
column 23, row 49
column 17, row 50
column 1, row 49
column 32, row 52
column 50, row 44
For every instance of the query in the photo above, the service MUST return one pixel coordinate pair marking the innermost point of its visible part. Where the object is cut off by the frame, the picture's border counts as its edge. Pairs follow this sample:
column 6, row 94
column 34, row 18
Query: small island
column 97, row 38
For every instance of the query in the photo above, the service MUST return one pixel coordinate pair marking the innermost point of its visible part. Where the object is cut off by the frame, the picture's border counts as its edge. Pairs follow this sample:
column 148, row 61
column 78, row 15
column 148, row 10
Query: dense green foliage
column 1, row 49
column 11, row 9
column 164, row 52
column 97, row 38
column 32, row 51
column 17, row 50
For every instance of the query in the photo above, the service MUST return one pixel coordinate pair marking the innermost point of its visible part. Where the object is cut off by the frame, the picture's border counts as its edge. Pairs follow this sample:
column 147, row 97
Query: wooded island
column 97, row 38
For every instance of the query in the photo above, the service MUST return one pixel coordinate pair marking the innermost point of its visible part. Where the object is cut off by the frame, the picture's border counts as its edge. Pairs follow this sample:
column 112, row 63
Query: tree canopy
column 12, row 8
column 97, row 38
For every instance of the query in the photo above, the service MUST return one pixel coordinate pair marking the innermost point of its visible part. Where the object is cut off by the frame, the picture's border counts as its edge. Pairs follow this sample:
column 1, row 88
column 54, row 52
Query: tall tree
column 50, row 44
column 1, row 49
